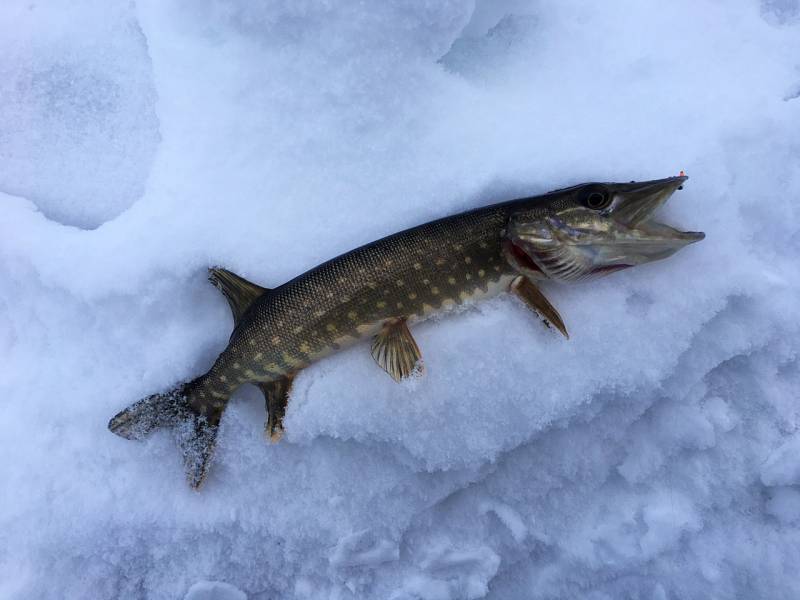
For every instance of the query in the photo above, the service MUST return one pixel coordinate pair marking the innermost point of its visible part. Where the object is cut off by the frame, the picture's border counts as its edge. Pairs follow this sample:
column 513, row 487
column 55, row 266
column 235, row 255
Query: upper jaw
column 634, row 204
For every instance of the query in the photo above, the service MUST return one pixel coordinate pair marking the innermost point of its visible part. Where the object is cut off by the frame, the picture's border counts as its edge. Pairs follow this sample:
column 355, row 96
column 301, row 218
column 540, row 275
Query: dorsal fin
column 239, row 292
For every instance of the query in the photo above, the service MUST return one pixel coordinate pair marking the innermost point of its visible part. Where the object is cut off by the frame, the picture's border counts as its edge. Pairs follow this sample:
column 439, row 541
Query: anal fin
column 395, row 350
column 527, row 291
column 276, row 396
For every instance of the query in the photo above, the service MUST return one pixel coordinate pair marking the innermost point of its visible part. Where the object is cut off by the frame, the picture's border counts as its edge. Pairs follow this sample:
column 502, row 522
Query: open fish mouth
column 605, row 228
column 633, row 207
column 634, row 204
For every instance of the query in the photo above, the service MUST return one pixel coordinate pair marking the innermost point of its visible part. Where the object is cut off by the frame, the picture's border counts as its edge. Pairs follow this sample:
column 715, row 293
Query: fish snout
column 635, row 202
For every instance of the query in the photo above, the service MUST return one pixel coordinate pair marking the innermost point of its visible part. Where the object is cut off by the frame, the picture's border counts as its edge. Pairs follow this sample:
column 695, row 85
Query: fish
column 378, row 291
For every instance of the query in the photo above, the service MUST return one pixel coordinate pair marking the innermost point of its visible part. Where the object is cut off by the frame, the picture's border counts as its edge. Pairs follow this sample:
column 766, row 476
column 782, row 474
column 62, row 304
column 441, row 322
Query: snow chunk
column 782, row 467
column 363, row 548
column 467, row 571
column 78, row 121
column 214, row 590
column 667, row 517
column 508, row 516
column 667, row 429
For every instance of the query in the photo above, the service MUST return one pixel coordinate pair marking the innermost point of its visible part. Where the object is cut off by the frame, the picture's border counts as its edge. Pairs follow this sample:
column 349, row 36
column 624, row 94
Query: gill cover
column 546, row 245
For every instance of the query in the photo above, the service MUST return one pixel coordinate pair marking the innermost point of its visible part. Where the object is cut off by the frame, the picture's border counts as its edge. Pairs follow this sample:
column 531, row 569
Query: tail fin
column 195, row 433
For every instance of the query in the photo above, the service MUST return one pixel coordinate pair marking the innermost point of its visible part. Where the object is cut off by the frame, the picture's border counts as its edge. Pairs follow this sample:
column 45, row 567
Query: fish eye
column 596, row 198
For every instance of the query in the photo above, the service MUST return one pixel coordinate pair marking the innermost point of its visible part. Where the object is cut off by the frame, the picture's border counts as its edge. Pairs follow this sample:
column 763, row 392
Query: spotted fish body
column 413, row 274
column 374, row 291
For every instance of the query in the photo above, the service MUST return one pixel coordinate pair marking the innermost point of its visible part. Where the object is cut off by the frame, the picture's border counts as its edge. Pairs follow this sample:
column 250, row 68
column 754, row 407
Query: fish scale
column 378, row 290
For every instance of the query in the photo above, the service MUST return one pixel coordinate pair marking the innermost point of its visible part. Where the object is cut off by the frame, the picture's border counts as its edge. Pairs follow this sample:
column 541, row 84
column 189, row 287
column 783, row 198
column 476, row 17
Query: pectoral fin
column 536, row 301
column 395, row 350
column 276, row 395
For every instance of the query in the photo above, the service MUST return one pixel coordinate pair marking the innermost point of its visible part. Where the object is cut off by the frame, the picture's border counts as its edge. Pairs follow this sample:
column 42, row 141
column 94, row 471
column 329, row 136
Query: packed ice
column 655, row 454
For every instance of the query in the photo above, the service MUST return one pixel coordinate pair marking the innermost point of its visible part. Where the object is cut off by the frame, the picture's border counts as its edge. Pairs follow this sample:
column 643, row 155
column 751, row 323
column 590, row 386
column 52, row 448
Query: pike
column 378, row 290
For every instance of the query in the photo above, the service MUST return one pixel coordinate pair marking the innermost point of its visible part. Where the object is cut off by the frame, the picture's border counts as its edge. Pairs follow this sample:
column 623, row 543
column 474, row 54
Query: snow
column 653, row 455
column 214, row 590
column 782, row 467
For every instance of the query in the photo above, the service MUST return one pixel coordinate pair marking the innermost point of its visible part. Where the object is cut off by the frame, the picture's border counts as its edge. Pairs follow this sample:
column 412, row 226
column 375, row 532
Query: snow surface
column 656, row 454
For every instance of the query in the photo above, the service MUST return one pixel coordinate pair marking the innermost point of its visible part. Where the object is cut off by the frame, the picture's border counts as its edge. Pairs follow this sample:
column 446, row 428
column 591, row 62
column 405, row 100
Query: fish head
column 593, row 229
